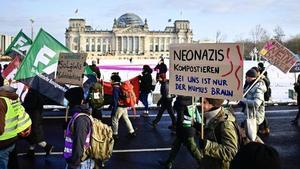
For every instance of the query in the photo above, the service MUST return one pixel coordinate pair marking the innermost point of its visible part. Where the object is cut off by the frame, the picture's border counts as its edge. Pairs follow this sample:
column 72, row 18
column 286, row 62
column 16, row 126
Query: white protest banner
column 278, row 55
column 70, row 68
column 207, row 70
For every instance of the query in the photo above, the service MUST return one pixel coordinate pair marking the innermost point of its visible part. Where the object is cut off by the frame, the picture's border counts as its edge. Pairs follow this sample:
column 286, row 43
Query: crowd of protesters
column 217, row 147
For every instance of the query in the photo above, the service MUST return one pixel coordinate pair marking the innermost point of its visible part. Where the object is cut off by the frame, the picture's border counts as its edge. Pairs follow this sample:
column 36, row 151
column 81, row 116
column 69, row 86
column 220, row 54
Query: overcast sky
column 234, row 18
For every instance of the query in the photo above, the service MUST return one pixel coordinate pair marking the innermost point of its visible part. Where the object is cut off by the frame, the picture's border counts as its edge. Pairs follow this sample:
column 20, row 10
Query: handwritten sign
column 278, row 55
column 295, row 68
column 207, row 70
column 70, row 68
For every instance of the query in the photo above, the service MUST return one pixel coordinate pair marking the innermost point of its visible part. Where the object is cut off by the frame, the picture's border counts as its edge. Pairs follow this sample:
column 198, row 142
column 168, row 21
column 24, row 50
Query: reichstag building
column 130, row 37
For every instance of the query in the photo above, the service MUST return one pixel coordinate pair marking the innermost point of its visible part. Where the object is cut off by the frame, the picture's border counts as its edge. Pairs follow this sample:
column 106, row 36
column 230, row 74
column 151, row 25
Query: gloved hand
column 202, row 143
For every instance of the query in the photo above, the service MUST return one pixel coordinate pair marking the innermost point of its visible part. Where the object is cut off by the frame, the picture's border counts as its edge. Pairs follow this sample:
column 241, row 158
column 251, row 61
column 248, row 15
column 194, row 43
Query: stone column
column 106, row 46
column 127, row 48
column 116, row 45
column 139, row 42
column 101, row 47
column 122, row 45
column 133, row 44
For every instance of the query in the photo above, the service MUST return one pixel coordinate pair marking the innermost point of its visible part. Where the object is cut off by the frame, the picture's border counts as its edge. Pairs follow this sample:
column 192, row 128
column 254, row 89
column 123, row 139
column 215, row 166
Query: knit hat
column 115, row 77
column 251, row 73
column 147, row 68
column 261, row 67
column 74, row 96
column 256, row 155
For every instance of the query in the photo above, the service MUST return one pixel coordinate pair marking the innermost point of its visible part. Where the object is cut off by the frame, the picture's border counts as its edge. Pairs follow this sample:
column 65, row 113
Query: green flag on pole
column 19, row 46
column 42, row 56
column 39, row 67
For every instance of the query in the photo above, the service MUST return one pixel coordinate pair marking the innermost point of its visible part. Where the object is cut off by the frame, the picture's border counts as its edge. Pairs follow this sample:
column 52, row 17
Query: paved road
column 151, row 144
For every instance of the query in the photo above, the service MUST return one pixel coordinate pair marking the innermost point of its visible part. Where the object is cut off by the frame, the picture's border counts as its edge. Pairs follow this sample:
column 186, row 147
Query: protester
column 297, row 90
column 254, row 99
column 33, row 104
column 11, row 108
column 119, row 110
column 220, row 143
column 96, row 99
column 160, row 68
column 185, row 132
column 95, row 69
column 79, row 136
column 264, row 126
column 165, row 102
column 256, row 156
column 145, row 87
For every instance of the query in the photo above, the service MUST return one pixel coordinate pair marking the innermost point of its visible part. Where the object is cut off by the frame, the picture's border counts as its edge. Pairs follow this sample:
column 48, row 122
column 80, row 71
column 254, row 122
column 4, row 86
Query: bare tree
column 294, row 44
column 259, row 35
column 220, row 37
column 278, row 33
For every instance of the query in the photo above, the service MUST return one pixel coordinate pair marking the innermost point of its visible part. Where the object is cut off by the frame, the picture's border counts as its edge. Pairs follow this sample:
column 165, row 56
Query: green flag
column 42, row 56
column 39, row 67
column 19, row 46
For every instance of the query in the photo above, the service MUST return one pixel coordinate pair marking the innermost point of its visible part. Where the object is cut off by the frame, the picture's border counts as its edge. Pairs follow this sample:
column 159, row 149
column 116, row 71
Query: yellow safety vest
column 16, row 119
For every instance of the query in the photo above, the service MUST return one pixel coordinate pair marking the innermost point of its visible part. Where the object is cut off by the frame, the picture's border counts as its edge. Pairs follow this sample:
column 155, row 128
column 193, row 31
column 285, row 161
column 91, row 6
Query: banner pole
column 202, row 117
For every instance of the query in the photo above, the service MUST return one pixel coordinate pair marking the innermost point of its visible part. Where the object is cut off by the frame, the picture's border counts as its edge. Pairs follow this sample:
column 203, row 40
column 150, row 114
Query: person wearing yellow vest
column 14, row 122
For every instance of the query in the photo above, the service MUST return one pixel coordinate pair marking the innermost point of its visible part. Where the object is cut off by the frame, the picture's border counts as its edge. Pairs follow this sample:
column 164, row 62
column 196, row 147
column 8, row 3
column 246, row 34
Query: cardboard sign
column 207, row 70
column 295, row 68
column 70, row 68
column 278, row 55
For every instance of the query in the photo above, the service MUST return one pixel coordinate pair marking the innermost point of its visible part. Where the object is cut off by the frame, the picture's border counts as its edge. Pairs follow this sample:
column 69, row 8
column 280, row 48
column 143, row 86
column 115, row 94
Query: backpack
column 267, row 94
column 96, row 96
column 241, row 134
column 101, row 140
column 127, row 97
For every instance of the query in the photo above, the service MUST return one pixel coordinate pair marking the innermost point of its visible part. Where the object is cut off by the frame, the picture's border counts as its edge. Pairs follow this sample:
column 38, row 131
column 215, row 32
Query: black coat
column 146, row 82
column 33, row 104
column 297, row 89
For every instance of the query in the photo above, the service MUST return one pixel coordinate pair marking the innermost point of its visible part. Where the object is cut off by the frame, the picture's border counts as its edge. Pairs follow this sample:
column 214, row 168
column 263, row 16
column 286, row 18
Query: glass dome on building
column 129, row 19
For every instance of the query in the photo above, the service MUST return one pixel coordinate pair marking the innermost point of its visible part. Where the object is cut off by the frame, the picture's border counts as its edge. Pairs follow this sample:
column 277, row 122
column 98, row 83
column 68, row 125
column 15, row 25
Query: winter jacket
column 180, row 106
column 161, row 68
column 221, row 141
column 3, row 111
column 297, row 89
column 255, row 100
column 146, row 82
column 33, row 104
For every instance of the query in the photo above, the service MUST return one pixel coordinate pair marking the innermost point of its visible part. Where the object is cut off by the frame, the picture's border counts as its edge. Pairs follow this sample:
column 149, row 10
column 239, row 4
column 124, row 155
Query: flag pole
column 202, row 118
column 31, row 21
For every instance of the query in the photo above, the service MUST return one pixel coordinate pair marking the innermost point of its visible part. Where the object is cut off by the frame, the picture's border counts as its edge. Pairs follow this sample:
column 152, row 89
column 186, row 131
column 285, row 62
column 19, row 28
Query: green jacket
column 222, row 141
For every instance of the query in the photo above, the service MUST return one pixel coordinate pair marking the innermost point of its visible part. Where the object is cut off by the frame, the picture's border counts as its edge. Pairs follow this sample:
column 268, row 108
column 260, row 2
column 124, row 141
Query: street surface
column 151, row 145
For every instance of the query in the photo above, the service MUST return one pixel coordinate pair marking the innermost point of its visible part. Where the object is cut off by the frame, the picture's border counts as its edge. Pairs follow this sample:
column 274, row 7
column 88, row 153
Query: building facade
column 129, row 38
column 5, row 41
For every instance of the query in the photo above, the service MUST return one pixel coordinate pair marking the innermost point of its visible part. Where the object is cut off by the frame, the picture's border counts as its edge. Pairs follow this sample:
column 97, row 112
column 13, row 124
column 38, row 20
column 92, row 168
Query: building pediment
column 132, row 30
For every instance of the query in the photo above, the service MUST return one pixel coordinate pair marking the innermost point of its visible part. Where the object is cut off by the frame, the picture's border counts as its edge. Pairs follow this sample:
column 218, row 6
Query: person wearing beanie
column 264, row 127
column 254, row 98
column 251, row 73
column 81, row 127
column 256, row 156
column 119, row 110
column 74, row 96
column 145, row 87
column 220, row 143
